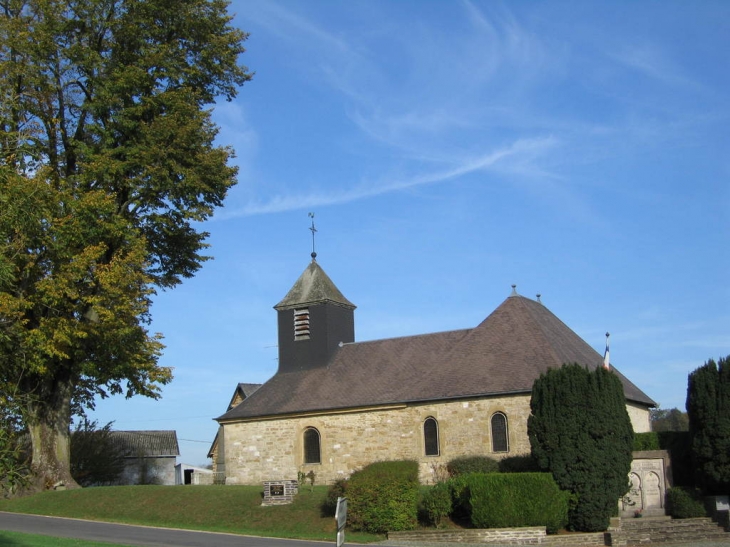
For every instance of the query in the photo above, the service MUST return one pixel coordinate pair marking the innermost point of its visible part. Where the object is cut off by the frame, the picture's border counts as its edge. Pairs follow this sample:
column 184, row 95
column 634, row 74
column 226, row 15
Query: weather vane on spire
column 313, row 229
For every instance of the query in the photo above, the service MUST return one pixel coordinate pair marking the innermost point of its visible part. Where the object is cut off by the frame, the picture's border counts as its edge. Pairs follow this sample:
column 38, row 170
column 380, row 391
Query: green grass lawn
column 15, row 539
column 232, row 509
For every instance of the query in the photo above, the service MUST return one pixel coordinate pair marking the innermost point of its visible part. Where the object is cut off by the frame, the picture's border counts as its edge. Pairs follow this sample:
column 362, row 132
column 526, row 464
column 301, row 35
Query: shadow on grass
column 11, row 539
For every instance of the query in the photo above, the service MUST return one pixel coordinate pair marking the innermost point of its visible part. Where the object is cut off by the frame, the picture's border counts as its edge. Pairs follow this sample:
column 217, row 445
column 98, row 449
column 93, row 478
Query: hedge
column 472, row 464
column 505, row 500
column 437, row 502
column 383, row 497
column 685, row 503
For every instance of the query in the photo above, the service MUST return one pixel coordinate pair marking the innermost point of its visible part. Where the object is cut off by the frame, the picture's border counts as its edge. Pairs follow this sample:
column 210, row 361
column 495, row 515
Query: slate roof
column 313, row 286
column 148, row 443
column 243, row 391
column 503, row 355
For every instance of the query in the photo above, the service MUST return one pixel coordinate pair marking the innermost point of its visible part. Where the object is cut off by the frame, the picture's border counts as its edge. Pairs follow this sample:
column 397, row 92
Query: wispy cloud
column 649, row 60
column 516, row 152
column 292, row 27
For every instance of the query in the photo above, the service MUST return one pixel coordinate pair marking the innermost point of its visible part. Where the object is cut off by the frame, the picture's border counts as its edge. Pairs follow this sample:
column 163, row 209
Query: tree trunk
column 49, row 421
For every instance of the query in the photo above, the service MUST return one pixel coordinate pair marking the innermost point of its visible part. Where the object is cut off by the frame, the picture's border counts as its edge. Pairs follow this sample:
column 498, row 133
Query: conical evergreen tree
column 581, row 432
column 708, row 408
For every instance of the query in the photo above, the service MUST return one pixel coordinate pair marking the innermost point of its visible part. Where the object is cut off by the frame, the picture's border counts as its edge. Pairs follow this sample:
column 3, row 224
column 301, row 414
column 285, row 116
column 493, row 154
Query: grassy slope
column 233, row 509
column 15, row 539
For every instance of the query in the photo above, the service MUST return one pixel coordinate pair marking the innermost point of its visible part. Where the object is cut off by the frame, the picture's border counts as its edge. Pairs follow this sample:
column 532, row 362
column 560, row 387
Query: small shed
column 150, row 456
column 191, row 474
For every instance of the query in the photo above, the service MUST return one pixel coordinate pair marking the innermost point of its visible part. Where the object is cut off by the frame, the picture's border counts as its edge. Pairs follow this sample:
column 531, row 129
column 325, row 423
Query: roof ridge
column 376, row 340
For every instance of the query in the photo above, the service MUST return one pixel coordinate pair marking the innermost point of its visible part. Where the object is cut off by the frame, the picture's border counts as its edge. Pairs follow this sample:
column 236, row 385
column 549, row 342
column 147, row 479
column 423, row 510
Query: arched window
column 431, row 436
column 499, row 433
column 311, row 446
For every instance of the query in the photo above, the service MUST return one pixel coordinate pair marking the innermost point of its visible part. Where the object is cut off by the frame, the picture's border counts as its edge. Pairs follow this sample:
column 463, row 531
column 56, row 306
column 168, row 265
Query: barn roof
column 148, row 443
column 504, row 354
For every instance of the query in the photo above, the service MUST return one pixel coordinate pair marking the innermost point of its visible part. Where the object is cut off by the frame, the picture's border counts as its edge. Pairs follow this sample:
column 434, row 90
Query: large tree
column 107, row 165
column 708, row 408
column 668, row 419
column 581, row 432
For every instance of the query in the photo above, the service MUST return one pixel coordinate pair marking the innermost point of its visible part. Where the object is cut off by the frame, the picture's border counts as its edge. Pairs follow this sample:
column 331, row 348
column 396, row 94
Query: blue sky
column 579, row 150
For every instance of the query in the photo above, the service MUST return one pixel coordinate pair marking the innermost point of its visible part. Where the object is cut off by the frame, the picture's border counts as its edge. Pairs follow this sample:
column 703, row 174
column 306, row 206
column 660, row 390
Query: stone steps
column 663, row 530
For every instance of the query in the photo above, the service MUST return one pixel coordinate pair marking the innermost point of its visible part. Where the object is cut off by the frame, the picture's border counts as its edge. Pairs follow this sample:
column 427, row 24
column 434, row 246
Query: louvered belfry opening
column 301, row 324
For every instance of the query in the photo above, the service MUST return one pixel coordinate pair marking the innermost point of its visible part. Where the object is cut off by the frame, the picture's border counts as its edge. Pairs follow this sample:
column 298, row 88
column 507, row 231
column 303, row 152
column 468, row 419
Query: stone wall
column 257, row 451
column 639, row 418
column 501, row 536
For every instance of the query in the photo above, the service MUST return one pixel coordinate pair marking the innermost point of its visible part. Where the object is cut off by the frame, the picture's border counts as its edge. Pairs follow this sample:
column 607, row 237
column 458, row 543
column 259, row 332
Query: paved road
column 138, row 535
column 167, row 537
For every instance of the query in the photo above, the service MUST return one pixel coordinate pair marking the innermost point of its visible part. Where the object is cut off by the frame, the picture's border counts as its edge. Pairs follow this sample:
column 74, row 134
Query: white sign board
column 341, row 519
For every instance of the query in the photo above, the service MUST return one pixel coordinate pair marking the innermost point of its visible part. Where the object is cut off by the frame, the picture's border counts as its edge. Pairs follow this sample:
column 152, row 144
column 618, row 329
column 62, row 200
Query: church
column 336, row 405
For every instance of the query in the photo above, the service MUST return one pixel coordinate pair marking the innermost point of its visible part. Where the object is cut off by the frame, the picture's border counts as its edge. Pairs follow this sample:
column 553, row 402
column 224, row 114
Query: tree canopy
column 668, row 419
column 581, row 432
column 107, row 166
column 708, row 408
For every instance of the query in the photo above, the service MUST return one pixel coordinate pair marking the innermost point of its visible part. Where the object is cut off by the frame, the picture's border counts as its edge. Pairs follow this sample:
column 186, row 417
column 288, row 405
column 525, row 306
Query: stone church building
column 335, row 405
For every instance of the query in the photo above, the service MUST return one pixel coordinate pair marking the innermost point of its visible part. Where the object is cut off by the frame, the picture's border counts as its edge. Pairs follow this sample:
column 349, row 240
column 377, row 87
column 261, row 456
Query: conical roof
column 313, row 287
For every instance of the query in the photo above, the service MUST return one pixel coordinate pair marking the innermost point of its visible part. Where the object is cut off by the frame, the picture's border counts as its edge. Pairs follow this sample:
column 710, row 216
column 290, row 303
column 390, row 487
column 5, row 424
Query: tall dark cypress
column 580, row 431
column 708, row 409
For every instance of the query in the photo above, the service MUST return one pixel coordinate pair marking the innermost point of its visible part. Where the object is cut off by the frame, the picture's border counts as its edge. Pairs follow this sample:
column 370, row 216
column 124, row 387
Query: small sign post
column 341, row 519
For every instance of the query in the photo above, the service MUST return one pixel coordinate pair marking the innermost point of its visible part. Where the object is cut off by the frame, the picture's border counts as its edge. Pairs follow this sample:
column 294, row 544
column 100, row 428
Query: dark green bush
column 338, row 489
column 97, row 459
column 460, row 507
column 646, row 441
column 685, row 503
column 519, row 464
column 677, row 443
column 437, row 503
column 472, row 464
column 505, row 500
column 383, row 497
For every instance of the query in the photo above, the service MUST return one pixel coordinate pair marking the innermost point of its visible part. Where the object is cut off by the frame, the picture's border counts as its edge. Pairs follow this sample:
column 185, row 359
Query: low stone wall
column 534, row 535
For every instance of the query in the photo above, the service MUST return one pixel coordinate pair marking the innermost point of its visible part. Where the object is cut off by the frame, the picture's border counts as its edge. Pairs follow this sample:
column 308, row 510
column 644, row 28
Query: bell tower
column 314, row 318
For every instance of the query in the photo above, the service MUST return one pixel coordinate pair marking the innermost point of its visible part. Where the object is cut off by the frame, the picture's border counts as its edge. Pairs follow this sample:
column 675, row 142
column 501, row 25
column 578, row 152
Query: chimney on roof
column 514, row 290
column 538, row 298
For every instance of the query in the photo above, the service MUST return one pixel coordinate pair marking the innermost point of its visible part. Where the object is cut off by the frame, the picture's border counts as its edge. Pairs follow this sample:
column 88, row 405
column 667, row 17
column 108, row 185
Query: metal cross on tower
column 313, row 229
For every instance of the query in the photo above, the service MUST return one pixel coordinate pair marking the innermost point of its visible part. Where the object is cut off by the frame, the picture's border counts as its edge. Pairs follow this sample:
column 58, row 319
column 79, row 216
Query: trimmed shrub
column 519, row 464
column 646, row 441
column 472, row 464
column 436, row 503
column 505, row 500
column 685, row 503
column 383, row 497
